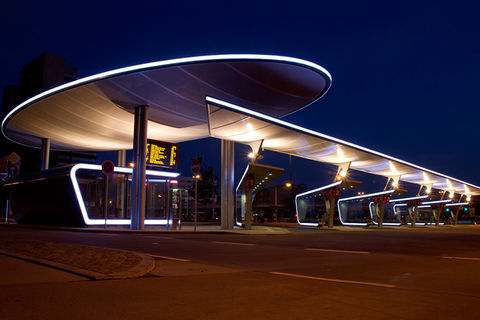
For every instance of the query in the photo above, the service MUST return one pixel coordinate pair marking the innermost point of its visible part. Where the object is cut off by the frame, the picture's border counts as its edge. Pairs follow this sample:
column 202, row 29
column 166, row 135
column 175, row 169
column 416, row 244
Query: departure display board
column 162, row 154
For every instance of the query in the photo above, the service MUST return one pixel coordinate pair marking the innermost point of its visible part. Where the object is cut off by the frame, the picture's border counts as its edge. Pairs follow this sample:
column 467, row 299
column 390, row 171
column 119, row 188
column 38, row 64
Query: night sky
column 405, row 75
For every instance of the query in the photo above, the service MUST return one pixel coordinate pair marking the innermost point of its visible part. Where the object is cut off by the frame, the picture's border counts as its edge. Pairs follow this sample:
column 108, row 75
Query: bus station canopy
column 239, row 124
column 97, row 113
column 193, row 98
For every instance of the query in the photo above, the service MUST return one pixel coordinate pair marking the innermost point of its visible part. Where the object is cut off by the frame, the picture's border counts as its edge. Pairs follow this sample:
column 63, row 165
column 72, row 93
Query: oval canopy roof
column 96, row 113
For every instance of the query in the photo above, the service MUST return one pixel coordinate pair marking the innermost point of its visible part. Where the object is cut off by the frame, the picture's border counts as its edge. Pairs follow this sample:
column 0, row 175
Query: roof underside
column 96, row 113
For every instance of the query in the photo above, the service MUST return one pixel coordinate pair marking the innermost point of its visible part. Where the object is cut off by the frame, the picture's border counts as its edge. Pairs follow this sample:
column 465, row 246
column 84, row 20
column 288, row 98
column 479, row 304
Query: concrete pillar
column 436, row 214
column 227, row 188
column 413, row 214
column 45, row 157
column 330, row 209
column 380, row 211
column 138, row 176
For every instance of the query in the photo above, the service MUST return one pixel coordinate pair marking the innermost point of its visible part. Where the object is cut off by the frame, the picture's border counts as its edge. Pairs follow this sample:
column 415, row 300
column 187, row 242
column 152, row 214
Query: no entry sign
column 196, row 164
column 107, row 167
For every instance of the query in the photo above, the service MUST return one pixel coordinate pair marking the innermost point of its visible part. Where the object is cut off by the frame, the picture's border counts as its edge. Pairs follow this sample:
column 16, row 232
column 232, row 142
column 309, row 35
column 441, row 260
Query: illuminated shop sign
column 162, row 154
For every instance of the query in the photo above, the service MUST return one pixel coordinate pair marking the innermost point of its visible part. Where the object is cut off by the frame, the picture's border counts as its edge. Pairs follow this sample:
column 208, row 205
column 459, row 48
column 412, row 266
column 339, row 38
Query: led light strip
column 96, row 167
column 312, row 224
column 288, row 125
column 410, row 198
column 458, row 204
column 236, row 190
column 151, row 65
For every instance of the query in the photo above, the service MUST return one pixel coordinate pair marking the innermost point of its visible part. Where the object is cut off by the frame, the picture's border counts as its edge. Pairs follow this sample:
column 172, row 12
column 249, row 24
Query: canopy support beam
column 139, row 168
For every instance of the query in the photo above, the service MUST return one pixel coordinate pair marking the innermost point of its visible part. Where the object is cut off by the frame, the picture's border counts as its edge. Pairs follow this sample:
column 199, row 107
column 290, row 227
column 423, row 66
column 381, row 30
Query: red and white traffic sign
column 108, row 167
column 196, row 164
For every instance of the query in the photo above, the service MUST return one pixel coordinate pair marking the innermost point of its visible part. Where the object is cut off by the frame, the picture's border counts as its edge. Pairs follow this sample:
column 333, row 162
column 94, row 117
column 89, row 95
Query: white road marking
column 337, row 251
column 462, row 258
column 160, row 237
column 168, row 258
column 373, row 284
column 235, row 243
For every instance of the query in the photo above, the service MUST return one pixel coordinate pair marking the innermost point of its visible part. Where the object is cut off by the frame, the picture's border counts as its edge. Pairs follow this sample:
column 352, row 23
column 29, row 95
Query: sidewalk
column 185, row 228
column 91, row 262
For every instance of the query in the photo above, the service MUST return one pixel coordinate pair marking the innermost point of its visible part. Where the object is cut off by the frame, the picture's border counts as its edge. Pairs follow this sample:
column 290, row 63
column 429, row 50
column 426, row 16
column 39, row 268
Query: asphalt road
column 425, row 273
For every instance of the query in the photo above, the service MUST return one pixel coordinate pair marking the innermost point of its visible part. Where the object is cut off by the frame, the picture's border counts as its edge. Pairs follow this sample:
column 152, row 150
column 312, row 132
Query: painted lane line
column 337, row 251
column 235, row 243
column 159, row 237
column 168, row 258
column 373, row 284
column 463, row 258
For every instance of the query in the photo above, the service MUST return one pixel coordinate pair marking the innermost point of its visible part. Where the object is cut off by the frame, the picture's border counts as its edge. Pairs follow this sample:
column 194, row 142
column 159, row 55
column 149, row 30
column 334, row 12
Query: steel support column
column 138, row 172
column 227, row 188
column 45, row 157
column 121, row 158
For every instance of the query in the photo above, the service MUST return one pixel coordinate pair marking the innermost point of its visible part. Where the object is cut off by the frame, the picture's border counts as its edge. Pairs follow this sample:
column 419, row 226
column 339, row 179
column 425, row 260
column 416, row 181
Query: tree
column 206, row 187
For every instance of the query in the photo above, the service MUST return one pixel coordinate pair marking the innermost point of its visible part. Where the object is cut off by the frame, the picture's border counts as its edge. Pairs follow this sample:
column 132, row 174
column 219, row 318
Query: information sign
column 162, row 154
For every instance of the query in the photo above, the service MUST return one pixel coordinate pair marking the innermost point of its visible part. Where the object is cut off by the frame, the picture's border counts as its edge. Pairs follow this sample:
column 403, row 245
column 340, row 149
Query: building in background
column 42, row 73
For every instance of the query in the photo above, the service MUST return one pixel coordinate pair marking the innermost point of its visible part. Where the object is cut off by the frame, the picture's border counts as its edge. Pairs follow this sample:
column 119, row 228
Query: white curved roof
column 96, row 113
column 232, row 122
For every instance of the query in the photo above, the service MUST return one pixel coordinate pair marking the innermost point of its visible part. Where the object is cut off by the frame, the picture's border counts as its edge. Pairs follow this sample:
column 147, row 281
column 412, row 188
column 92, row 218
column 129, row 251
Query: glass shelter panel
column 310, row 208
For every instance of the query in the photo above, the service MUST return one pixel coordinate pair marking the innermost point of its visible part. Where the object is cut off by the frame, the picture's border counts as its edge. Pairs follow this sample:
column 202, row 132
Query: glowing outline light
column 458, row 204
column 236, row 191
column 423, row 206
column 97, row 167
column 359, row 197
column 312, row 224
column 261, row 116
column 395, row 224
column 164, row 63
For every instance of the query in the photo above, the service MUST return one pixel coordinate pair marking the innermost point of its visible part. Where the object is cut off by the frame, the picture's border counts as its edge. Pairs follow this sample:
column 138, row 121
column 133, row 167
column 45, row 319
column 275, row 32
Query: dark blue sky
column 405, row 76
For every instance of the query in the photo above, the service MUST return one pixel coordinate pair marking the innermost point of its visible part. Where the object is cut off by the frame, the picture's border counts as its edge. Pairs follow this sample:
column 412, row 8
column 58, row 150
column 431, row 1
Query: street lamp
column 196, row 177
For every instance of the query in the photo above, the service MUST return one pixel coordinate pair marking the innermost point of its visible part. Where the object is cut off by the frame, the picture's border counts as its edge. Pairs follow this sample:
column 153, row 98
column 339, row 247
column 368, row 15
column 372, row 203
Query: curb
column 146, row 265
column 279, row 230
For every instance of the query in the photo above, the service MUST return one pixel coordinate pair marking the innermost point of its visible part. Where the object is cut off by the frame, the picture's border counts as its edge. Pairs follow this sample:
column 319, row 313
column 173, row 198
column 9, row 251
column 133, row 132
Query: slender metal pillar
column 45, row 157
column 121, row 185
column 138, row 178
column 121, row 158
column 227, row 188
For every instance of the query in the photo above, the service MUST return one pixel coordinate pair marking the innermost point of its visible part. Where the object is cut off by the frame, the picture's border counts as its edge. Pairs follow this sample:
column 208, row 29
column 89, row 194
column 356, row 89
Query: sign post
column 107, row 169
column 196, row 164
column 195, row 225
